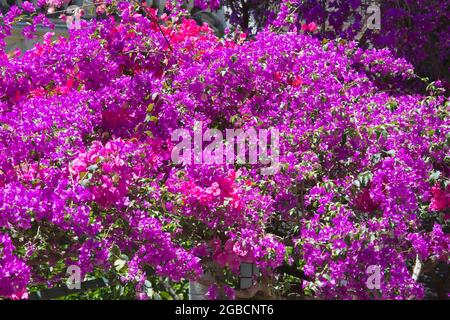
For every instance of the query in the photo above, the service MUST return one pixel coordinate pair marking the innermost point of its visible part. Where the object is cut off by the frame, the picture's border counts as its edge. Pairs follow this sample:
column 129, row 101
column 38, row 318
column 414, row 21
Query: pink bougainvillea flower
column 440, row 199
column 295, row 81
column 311, row 27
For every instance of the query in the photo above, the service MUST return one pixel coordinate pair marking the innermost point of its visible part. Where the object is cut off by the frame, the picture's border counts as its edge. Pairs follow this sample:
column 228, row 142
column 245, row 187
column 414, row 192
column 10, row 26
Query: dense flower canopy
column 414, row 29
column 86, row 176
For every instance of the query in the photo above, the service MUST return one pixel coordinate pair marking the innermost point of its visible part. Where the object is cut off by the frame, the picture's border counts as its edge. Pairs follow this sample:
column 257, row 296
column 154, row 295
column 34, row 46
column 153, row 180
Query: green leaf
column 93, row 167
column 150, row 118
column 119, row 264
column 115, row 251
column 165, row 295
column 434, row 176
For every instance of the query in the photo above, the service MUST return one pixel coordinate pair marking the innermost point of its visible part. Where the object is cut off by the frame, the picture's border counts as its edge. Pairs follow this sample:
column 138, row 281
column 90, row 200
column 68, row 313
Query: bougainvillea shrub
column 414, row 29
column 87, row 176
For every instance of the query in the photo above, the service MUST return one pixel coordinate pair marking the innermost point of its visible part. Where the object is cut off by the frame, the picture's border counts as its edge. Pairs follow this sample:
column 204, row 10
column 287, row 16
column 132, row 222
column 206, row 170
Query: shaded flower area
column 87, row 177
